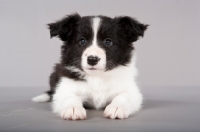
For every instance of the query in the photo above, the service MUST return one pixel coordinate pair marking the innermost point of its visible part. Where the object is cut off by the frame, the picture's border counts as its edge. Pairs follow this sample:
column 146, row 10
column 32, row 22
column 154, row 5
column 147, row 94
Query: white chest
column 100, row 91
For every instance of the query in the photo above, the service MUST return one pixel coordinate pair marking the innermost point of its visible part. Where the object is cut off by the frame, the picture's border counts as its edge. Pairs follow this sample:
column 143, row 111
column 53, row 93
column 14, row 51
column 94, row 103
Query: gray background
column 168, row 63
column 168, row 55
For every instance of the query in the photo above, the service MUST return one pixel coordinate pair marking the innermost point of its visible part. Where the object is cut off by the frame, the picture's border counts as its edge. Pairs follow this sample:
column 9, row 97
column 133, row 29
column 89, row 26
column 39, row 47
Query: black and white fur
column 97, row 67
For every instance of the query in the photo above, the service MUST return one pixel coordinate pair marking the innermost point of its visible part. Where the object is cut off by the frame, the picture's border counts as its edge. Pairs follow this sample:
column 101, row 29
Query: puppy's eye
column 82, row 41
column 108, row 42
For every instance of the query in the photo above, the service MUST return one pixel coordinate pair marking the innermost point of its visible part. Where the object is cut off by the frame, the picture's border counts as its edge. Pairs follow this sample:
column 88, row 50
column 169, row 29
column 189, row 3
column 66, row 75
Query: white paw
column 116, row 112
column 73, row 113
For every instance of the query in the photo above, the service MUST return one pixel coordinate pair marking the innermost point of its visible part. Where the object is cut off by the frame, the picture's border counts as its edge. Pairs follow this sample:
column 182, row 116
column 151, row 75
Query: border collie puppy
column 97, row 68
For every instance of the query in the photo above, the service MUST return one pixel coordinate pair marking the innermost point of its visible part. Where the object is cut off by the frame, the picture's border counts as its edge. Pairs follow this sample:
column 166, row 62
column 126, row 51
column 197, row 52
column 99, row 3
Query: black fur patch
column 123, row 31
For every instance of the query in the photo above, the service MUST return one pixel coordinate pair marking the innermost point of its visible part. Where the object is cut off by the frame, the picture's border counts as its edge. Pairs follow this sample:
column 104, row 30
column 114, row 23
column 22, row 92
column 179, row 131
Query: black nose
column 92, row 60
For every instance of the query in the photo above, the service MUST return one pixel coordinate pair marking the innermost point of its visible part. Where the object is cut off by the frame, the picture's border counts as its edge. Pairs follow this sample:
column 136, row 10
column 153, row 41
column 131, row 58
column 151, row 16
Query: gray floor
column 166, row 109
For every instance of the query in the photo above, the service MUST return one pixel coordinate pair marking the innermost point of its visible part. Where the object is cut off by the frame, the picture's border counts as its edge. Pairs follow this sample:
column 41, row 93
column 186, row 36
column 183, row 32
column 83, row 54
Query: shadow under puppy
column 97, row 67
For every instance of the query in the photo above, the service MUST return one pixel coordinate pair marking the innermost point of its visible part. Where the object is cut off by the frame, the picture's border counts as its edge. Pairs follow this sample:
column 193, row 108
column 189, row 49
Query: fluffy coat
column 97, row 68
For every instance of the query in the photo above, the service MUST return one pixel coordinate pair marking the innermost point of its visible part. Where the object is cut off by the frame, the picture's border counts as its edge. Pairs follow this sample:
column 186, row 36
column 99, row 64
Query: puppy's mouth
column 92, row 69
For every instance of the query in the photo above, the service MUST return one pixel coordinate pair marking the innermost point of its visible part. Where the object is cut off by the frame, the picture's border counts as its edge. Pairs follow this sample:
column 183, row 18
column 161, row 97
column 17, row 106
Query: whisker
column 74, row 62
column 111, row 64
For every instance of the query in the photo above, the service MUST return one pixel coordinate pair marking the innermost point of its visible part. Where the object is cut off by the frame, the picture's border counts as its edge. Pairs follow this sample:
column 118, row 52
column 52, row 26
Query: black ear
column 64, row 27
column 131, row 27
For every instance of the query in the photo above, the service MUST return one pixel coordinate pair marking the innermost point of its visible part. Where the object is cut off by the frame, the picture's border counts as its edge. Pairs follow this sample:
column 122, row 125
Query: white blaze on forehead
column 94, row 50
column 95, row 26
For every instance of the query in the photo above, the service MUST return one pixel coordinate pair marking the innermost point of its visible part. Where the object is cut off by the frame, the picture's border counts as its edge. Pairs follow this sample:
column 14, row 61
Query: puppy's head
column 96, row 43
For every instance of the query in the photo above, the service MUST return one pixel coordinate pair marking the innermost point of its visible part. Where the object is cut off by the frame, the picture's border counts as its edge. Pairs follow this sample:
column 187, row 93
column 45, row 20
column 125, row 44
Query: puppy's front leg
column 123, row 105
column 66, row 103
column 70, row 108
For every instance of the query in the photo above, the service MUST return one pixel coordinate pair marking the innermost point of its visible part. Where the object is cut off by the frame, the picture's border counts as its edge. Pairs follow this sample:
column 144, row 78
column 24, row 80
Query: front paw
column 116, row 112
column 73, row 113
